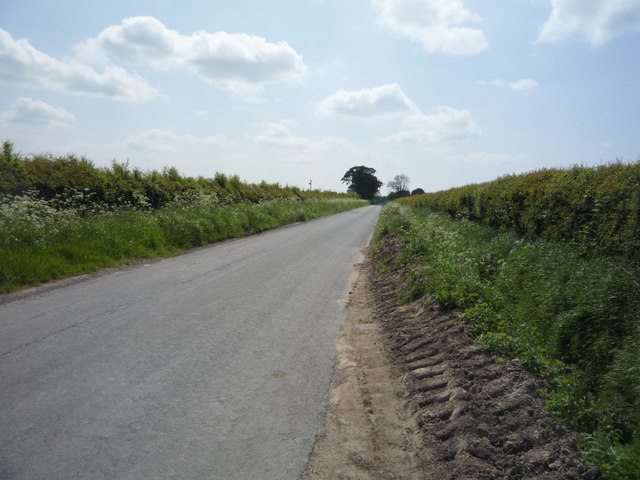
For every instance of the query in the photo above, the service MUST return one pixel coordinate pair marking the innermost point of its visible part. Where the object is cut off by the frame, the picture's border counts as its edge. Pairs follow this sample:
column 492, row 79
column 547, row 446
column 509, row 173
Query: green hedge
column 598, row 208
column 75, row 180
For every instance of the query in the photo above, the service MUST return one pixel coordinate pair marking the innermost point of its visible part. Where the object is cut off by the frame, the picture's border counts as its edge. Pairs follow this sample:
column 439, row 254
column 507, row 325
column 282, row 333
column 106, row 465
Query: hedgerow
column 60, row 178
column 595, row 207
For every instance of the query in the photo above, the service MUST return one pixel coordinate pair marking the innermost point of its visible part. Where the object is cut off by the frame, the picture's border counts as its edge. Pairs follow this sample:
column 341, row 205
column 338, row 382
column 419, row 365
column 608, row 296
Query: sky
column 447, row 92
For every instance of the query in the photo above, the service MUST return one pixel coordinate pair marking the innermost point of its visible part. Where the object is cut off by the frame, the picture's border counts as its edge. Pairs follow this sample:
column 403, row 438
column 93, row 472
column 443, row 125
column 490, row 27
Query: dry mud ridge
column 414, row 397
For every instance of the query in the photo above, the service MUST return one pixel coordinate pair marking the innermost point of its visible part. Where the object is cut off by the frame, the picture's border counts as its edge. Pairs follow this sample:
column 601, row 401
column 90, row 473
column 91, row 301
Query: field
column 570, row 316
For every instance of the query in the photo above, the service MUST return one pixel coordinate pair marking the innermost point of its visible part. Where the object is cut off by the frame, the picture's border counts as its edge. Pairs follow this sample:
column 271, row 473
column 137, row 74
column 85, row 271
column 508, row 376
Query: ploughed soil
column 414, row 397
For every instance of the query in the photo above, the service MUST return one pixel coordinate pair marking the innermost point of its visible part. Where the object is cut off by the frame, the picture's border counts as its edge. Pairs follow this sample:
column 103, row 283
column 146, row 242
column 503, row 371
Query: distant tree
column 400, row 194
column 417, row 191
column 400, row 183
column 362, row 180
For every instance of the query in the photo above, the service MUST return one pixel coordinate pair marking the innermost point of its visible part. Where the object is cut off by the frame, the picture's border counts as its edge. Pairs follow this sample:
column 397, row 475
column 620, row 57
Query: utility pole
column 310, row 181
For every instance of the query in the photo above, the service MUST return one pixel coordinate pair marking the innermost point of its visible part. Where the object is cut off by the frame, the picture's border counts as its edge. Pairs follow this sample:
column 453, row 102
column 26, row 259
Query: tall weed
column 39, row 243
column 28, row 220
column 571, row 318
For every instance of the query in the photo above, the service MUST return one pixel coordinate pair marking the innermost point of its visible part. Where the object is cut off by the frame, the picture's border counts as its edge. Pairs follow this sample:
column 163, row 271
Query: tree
column 400, row 194
column 400, row 183
column 362, row 181
column 417, row 191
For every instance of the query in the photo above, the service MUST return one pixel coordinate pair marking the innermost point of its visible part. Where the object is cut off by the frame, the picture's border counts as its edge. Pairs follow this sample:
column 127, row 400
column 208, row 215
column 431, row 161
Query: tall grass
column 571, row 318
column 39, row 243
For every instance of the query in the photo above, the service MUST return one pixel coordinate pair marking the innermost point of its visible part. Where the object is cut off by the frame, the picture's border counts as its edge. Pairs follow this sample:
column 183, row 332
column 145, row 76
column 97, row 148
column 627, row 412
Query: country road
column 215, row 364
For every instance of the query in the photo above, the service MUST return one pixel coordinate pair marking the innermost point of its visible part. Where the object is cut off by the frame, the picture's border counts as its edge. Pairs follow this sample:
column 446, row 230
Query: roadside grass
column 571, row 318
column 39, row 243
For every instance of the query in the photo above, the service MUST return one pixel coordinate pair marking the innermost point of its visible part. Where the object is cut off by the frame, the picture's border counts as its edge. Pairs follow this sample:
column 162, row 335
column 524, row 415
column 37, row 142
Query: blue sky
column 447, row 92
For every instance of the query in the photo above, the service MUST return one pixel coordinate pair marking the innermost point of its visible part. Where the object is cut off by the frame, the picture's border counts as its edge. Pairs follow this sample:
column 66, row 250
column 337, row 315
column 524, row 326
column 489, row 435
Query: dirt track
column 414, row 397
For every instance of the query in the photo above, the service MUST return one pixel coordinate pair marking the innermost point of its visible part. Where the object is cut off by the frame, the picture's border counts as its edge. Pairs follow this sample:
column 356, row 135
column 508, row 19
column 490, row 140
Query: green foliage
column 39, row 243
column 28, row 220
column 571, row 318
column 398, row 194
column 62, row 216
column 119, row 187
column 393, row 219
column 598, row 208
column 13, row 177
column 362, row 181
column 615, row 460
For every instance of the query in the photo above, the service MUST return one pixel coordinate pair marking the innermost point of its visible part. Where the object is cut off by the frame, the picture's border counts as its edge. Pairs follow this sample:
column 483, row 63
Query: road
column 215, row 364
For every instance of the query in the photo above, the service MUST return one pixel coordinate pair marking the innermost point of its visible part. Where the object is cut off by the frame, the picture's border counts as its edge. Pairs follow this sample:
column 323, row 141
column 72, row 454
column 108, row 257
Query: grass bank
column 40, row 242
column 572, row 319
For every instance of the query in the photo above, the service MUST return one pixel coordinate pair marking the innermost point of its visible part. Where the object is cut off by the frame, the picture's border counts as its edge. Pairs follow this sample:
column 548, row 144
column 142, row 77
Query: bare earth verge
column 370, row 432
column 414, row 397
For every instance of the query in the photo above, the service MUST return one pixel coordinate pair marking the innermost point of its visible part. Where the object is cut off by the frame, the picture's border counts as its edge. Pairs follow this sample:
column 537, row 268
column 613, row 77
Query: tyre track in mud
column 481, row 417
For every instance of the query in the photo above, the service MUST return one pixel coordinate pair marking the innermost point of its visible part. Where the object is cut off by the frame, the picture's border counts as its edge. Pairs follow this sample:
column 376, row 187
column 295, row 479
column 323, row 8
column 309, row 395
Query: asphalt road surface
column 215, row 364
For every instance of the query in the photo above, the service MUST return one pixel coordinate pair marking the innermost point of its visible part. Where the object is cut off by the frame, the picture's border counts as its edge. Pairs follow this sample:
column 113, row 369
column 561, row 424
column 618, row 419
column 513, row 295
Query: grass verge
column 39, row 244
column 570, row 318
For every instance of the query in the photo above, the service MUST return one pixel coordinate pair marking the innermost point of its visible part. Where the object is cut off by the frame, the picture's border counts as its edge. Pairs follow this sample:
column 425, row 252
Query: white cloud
column 243, row 64
column 279, row 135
column 368, row 103
column 237, row 63
column 158, row 140
column 436, row 24
column 598, row 21
column 23, row 65
column 444, row 125
column 26, row 111
column 137, row 40
column 522, row 85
